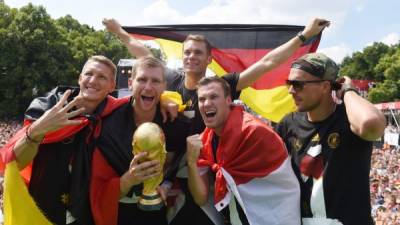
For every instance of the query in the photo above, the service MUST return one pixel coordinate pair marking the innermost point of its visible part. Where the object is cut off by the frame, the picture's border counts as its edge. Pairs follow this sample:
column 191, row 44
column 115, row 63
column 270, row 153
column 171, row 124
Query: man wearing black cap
column 330, row 143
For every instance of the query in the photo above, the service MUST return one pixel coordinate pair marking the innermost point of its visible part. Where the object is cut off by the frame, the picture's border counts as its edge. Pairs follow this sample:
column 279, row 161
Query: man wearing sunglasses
column 330, row 143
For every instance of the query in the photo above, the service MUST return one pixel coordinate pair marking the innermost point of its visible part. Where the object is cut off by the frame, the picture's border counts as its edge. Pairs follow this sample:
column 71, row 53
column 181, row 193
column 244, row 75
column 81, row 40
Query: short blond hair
column 148, row 62
column 103, row 60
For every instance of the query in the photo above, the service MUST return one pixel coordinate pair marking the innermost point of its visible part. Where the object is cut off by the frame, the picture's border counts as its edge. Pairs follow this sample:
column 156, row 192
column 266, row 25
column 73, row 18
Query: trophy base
column 151, row 202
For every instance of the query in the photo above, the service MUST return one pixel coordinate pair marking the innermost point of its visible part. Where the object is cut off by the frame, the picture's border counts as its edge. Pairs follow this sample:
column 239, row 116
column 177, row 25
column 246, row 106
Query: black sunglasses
column 298, row 85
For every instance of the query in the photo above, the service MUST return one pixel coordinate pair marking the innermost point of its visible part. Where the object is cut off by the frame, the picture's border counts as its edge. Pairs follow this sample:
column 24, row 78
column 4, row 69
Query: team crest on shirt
column 297, row 144
column 333, row 140
column 189, row 103
column 315, row 138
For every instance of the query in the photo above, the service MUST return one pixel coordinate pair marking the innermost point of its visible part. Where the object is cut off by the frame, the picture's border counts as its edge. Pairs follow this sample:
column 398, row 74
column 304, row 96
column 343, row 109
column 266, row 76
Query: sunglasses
column 298, row 85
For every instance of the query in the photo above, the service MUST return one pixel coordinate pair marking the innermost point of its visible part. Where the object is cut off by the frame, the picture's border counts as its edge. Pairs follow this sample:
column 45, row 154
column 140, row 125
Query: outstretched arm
column 279, row 54
column 135, row 47
column 365, row 119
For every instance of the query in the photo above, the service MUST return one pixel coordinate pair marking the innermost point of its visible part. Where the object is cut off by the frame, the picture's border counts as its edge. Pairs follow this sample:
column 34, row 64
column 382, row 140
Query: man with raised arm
column 330, row 143
column 196, row 57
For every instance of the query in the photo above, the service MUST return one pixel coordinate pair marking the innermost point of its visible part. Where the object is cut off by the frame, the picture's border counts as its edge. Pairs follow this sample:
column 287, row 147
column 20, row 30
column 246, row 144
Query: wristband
column 28, row 138
column 301, row 37
column 349, row 89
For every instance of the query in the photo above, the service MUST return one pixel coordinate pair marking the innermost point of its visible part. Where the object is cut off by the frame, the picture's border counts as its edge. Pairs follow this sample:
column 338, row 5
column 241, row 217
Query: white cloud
column 360, row 8
column 391, row 39
column 337, row 53
column 245, row 11
column 160, row 12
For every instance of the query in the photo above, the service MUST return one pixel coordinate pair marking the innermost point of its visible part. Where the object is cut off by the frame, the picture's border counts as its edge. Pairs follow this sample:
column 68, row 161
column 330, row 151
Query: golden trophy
column 150, row 138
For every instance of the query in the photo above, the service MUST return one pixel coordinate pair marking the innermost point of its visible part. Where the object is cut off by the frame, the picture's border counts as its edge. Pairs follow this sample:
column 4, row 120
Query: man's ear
column 130, row 84
column 209, row 59
column 327, row 87
column 229, row 99
column 113, row 85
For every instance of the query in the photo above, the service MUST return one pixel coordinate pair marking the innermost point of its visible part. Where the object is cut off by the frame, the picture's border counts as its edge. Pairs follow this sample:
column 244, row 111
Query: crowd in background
column 385, row 185
column 385, row 178
column 7, row 130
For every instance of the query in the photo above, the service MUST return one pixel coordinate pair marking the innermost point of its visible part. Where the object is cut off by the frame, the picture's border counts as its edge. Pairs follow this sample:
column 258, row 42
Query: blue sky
column 355, row 23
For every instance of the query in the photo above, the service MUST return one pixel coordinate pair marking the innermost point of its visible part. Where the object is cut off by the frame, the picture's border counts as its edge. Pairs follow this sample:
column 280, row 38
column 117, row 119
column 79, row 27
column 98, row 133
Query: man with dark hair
column 196, row 57
column 117, row 174
column 58, row 138
column 330, row 143
column 254, row 182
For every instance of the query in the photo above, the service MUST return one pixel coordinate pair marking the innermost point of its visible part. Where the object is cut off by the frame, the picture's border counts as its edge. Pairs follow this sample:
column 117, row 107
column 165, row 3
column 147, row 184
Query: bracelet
column 301, row 37
column 29, row 138
column 349, row 89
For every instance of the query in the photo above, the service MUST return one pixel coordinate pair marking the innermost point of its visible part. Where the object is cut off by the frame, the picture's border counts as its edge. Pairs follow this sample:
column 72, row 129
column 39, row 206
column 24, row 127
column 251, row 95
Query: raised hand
column 193, row 147
column 58, row 116
column 315, row 26
column 112, row 25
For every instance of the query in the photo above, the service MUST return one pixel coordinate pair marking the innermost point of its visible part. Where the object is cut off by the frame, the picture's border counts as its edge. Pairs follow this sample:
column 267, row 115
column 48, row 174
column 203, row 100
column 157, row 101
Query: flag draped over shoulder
column 19, row 206
column 251, row 162
column 236, row 47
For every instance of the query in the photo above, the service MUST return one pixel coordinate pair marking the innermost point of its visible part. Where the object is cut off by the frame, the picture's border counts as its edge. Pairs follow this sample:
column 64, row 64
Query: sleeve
column 233, row 79
column 41, row 104
column 104, row 191
column 171, row 76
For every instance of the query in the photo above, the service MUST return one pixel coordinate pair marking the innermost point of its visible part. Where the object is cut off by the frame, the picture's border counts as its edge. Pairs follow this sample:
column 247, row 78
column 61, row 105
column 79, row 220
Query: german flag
column 236, row 47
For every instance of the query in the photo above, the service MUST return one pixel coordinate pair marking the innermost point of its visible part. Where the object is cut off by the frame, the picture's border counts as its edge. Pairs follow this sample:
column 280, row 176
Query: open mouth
column 147, row 98
column 210, row 114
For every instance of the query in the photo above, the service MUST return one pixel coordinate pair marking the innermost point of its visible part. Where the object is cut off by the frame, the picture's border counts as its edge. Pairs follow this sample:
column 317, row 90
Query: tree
column 361, row 65
column 384, row 92
column 389, row 66
column 39, row 53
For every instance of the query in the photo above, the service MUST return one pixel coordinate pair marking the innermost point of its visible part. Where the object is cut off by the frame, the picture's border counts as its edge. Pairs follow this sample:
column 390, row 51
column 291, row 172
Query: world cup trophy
column 149, row 138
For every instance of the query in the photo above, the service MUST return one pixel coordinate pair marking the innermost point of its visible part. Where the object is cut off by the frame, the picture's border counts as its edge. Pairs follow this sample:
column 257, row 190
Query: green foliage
column 39, row 53
column 380, row 63
column 384, row 92
column 389, row 67
column 361, row 65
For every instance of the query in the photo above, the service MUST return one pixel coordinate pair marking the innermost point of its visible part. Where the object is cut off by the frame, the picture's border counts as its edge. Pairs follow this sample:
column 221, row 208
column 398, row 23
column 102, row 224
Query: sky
column 355, row 24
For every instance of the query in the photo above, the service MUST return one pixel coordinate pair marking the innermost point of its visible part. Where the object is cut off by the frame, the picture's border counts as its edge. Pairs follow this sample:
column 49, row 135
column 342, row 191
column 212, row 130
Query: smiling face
column 96, row 81
column 214, row 106
column 195, row 57
column 147, row 86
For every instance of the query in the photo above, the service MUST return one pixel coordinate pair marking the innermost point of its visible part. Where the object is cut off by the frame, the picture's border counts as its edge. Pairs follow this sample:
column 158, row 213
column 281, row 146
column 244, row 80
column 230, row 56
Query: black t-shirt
column 176, row 82
column 346, row 160
column 115, row 144
column 115, row 141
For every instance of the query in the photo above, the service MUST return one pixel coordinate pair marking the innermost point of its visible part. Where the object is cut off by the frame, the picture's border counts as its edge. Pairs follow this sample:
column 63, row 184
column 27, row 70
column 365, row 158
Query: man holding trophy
column 127, row 164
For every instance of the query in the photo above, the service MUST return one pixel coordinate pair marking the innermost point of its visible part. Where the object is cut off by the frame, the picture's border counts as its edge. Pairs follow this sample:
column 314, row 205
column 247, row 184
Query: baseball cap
column 319, row 65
